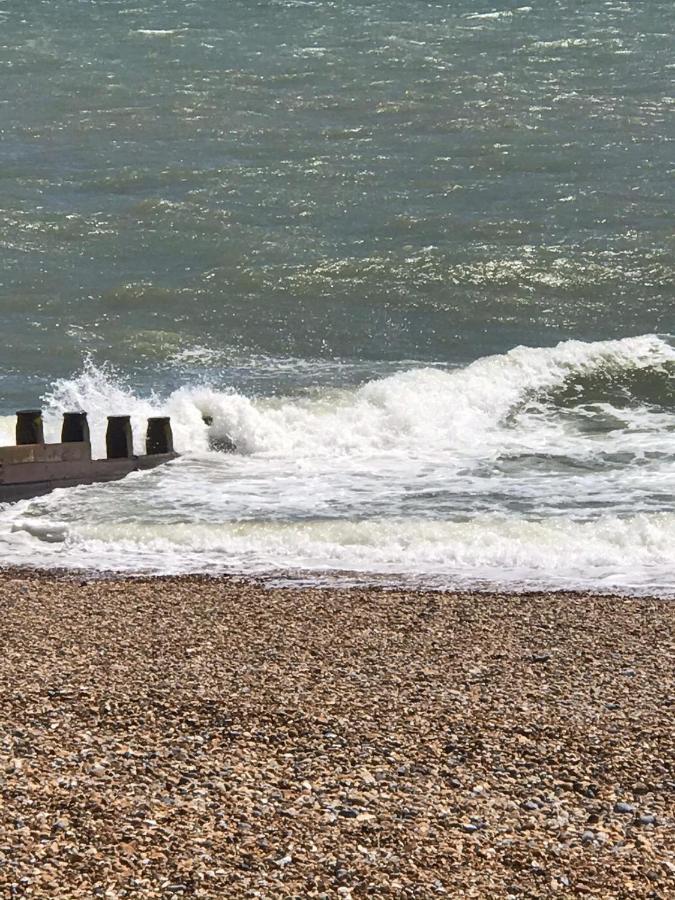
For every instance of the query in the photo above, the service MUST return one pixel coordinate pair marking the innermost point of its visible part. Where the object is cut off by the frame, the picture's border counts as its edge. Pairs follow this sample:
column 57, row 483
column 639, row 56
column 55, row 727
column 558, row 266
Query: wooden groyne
column 33, row 467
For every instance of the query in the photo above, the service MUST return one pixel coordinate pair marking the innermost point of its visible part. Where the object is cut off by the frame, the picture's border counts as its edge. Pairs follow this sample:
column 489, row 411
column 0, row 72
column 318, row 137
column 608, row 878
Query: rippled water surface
column 328, row 225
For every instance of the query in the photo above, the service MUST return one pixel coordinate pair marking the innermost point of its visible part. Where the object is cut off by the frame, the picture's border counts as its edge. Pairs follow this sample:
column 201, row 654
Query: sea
column 415, row 260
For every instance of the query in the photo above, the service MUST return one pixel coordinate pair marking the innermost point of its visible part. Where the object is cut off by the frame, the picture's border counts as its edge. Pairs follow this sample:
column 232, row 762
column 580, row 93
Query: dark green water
column 380, row 180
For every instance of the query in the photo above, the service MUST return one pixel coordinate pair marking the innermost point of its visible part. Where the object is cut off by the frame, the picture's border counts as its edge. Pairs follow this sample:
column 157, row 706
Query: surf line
column 33, row 467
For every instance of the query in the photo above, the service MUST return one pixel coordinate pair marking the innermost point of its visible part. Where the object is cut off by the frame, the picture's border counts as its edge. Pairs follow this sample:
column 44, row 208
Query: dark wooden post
column 75, row 428
column 119, row 440
column 29, row 428
column 159, row 438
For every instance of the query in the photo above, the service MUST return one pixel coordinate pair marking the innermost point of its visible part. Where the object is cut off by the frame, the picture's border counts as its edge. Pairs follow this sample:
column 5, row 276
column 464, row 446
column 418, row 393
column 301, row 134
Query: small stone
column 625, row 809
column 588, row 836
column 647, row 819
column 365, row 817
column 530, row 805
column 469, row 829
column 348, row 813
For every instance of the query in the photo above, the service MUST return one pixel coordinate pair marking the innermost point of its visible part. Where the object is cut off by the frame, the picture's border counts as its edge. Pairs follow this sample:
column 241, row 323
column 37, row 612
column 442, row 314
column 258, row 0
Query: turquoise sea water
column 328, row 225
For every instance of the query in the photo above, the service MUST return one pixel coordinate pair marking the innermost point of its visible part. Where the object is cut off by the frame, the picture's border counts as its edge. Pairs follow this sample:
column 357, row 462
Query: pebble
column 624, row 808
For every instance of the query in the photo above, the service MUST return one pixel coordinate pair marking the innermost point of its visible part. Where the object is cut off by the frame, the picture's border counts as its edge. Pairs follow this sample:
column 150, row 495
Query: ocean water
column 415, row 259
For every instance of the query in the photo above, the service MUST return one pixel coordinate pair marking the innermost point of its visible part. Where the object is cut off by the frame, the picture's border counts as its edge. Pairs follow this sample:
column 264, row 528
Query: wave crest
column 417, row 411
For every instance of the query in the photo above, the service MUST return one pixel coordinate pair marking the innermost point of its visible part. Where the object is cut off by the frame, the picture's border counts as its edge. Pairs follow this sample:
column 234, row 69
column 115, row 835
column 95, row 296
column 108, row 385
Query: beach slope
column 213, row 738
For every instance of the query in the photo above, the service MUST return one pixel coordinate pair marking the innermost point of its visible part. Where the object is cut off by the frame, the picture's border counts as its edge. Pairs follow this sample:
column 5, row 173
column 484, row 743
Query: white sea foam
column 497, row 14
column 459, row 476
column 610, row 553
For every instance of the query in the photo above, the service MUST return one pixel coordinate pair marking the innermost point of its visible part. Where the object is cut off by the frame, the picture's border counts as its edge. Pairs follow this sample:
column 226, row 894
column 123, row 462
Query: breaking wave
column 538, row 467
column 418, row 410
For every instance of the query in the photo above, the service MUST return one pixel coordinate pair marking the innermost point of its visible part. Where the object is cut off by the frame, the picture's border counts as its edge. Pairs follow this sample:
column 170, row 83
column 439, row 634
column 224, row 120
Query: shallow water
column 417, row 261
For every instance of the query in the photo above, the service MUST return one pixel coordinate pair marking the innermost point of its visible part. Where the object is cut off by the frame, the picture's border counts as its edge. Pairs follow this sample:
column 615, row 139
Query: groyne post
column 159, row 437
column 119, row 440
column 75, row 428
column 29, row 427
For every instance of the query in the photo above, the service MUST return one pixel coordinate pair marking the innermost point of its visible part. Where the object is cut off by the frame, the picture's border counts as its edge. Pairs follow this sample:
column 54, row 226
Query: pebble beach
column 194, row 737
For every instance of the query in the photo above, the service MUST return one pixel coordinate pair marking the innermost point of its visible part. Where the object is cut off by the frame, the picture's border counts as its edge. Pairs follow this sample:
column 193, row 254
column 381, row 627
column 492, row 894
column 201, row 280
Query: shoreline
column 166, row 736
column 290, row 581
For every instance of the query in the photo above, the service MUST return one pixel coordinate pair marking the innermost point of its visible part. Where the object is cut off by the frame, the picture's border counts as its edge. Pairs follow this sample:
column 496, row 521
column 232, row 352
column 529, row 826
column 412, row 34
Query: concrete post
column 159, row 438
column 119, row 440
column 29, row 428
column 75, row 428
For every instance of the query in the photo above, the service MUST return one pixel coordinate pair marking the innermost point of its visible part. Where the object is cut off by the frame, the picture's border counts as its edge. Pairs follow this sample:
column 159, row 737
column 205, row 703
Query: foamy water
column 539, row 467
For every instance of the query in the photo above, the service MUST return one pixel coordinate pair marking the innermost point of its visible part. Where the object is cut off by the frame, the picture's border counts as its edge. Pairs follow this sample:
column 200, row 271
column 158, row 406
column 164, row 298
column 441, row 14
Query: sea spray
column 419, row 410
